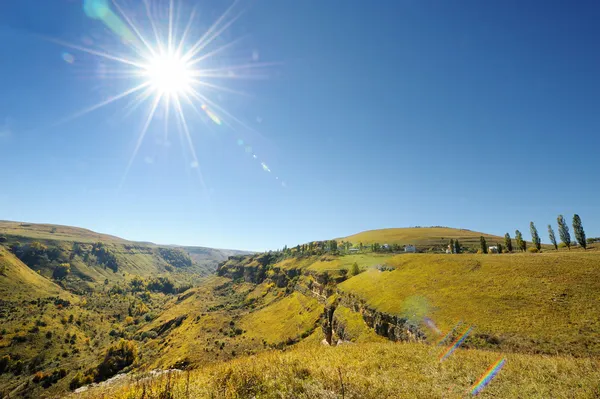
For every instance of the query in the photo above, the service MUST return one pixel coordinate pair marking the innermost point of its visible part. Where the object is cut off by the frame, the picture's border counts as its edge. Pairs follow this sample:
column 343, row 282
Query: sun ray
column 214, row 52
column 209, row 36
column 167, row 109
column 134, row 28
column 104, row 103
column 189, row 140
column 137, row 101
column 170, row 37
column 169, row 63
column 141, row 137
column 219, row 88
column 153, row 25
column 186, row 31
column 97, row 53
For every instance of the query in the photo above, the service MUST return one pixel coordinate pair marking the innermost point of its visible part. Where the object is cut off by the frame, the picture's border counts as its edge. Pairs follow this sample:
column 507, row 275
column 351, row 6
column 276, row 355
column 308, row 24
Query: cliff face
column 259, row 267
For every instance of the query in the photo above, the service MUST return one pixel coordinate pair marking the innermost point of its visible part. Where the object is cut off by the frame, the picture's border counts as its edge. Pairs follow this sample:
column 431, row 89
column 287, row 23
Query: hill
column 53, row 232
column 18, row 282
column 97, row 259
column 313, row 321
column 422, row 237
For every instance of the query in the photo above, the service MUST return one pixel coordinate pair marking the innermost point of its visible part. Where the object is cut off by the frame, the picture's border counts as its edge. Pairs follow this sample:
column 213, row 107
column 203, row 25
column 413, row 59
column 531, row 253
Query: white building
column 410, row 248
column 493, row 250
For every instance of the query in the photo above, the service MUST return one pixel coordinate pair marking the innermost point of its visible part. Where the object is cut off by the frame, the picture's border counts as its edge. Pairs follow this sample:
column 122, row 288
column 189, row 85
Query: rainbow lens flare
column 456, row 344
column 211, row 115
column 488, row 376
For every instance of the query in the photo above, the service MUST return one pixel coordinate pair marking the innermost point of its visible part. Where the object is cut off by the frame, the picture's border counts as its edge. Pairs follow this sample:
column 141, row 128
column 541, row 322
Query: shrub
column 17, row 367
column 149, row 334
column 80, row 380
column 116, row 359
column 533, row 250
column 61, row 271
column 4, row 363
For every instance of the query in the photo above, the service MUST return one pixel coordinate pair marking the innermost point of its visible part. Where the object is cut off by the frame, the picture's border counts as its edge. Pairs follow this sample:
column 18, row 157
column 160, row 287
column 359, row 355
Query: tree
column 519, row 239
column 508, row 242
column 552, row 236
column 563, row 231
column 451, row 246
column 484, row 248
column 456, row 247
column 355, row 270
column 535, row 237
column 499, row 248
column 578, row 230
column 61, row 271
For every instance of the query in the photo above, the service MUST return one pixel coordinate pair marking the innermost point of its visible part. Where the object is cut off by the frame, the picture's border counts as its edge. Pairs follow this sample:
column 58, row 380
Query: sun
column 168, row 73
column 171, row 68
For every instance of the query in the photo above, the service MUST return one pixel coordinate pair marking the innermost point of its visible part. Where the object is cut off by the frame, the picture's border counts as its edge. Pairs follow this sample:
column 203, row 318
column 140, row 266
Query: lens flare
column 456, row 344
column 488, row 376
column 211, row 115
column 170, row 68
column 68, row 58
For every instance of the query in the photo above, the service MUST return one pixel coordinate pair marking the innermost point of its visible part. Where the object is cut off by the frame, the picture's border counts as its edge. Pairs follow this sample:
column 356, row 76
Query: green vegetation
column 508, row 242
column 69, row 318
column 535, row 237
column 286, row 320
column 483, row 245
column 521, row 244
column 563, row 231
column 552, row 236
column 578, row 230
column 538, row 304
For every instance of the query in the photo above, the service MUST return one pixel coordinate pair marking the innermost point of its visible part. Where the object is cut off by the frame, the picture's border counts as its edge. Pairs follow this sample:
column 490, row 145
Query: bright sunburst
column 166, row 65
column 169, row 74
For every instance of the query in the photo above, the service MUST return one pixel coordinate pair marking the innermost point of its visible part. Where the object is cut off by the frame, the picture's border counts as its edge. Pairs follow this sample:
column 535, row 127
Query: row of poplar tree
column 563, row 232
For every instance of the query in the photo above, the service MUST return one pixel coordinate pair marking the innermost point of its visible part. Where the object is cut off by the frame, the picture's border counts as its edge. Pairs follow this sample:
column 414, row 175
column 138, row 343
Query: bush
column 61, row 271
column 532, row 250
column 17, row 367
column 116, row 359
column 4, row 363
column 80, row 380
column 562, row 245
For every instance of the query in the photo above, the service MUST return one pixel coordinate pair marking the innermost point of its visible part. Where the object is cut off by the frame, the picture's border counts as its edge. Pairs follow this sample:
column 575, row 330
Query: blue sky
column 479, row 115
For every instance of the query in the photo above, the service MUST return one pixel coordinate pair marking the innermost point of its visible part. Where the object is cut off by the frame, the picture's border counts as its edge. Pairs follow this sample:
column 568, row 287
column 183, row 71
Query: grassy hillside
column 422, row 237
column 373, row 370
column 54, row 232
column 97, row 259
column 532, row 308
column 18, row 282
column 545, row 302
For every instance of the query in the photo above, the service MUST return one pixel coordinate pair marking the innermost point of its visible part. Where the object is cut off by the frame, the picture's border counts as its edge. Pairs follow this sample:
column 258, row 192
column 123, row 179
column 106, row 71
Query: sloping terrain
column 95, row 259
column 370, row 370
column 422, row 237
column 325, row 318
column 53, row 232
column 18, row 282
column 72, row 301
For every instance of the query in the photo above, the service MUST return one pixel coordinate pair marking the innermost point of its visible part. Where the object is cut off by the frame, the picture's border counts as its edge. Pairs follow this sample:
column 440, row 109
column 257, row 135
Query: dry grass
column 421, row 237
column 546, row 302
column 288, row 318
column 372, row 370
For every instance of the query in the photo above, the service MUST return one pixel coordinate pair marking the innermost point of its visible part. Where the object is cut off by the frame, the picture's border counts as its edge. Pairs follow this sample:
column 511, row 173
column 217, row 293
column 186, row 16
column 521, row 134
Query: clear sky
column 474, row 114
